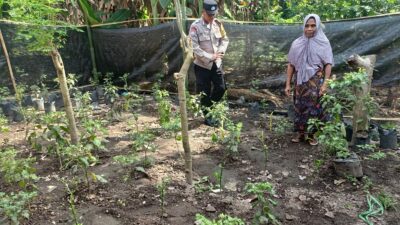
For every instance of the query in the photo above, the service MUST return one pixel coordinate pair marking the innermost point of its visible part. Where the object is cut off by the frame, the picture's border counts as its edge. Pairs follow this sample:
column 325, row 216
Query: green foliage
column 263, row 203
column 295, row 11
column 218, row 174
column 47, row 30
column 162, row 190
column 264, row 145
column 4, row 92
column 16, row 170
column 281, row 126
column 193, row 104
column 71, row 201
column 3, row 124
column 91, row 134
column 202, row 185
column 389, row 126
column 331, row 134
column 221, row 220
column 388, row 201
column 13, row 205
column 110, row 90
column 164, row 106
column 377, row 155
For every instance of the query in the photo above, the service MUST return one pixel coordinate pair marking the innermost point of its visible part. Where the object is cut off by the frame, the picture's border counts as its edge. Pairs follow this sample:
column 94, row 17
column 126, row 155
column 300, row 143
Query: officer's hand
column 218, row 55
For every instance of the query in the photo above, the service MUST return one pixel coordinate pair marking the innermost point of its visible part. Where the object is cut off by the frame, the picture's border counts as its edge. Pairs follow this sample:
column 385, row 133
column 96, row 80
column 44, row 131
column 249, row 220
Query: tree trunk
column 3, row 44
column 59, row 66
column 250, row 95
column 360, row 113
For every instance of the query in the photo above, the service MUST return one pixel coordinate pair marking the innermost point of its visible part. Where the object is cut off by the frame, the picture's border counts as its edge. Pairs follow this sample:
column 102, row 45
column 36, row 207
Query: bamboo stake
column 3, row 44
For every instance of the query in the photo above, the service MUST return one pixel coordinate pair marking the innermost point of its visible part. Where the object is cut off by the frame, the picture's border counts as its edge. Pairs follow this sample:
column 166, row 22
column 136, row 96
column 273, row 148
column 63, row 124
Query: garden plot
column 132, row 171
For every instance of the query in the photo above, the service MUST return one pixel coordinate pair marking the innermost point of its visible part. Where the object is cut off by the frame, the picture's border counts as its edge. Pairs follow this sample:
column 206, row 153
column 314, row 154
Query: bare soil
column 305, row 195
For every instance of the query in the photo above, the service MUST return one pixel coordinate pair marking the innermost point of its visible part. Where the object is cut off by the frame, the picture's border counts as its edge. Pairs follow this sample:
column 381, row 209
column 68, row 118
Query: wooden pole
column 181, row 79
column 360, row 112
column 59, row 66
column 3, row 44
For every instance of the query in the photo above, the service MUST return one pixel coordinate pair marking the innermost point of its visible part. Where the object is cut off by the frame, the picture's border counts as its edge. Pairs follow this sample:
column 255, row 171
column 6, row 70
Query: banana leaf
column 119, row 15
column 90, row 14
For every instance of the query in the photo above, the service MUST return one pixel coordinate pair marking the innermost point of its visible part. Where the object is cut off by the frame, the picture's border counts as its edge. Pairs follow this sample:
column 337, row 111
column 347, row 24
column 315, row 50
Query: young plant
column 202, row 185
column 71, row 201
column 218, row 174
column 221, row 220
column 162, row 190
column 3, row 124
column 193, row 104
column 377, row 156
column 142, row 141
column 14, row 205
column 163, row 105
column 264, row 204
column 388, row 201
column 264, row 146
column 79, row 157
column 15, row 170
column 174, row 126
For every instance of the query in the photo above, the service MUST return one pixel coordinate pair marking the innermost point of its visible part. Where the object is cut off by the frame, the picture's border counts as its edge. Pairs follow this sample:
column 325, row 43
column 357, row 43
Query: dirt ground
column 305, row 195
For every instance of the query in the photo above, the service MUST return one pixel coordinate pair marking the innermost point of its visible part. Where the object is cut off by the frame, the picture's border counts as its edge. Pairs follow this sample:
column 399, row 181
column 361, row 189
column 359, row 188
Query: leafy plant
column 142, row 141
column 13, row 205
column 221, row 220
column 377, row 155
column 389, row 126
column 202, row 185
column 193, row 104
column 388, row 201
column 163, row 105
column 3, row 124
column 71, row 201
column 162, row 190
column 264, row 204
column 16, row 170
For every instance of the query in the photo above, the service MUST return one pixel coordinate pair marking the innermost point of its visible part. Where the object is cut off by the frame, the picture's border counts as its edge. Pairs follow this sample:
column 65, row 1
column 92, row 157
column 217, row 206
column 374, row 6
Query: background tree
column 45, row 30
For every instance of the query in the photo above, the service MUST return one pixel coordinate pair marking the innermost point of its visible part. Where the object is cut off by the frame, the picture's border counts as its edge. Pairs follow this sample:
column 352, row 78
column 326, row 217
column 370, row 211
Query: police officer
column 209, row 43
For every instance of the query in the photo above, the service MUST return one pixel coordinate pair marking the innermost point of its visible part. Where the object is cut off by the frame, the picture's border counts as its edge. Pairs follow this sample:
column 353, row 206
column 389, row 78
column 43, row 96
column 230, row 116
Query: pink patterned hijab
column 309, row 55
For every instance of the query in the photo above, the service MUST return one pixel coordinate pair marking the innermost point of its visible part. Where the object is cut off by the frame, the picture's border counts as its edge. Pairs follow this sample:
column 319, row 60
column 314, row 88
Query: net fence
column 257, row 53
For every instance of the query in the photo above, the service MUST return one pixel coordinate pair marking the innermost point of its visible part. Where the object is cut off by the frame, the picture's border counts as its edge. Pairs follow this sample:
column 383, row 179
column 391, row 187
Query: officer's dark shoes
column 211, row 122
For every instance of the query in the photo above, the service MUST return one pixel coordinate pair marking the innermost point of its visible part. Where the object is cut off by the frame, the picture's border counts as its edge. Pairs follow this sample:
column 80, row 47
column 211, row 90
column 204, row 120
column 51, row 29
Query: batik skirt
column 307, row 102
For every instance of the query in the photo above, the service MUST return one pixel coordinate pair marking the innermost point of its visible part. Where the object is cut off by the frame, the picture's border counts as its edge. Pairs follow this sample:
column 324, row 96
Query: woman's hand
column 287, row 90
column 323, row 89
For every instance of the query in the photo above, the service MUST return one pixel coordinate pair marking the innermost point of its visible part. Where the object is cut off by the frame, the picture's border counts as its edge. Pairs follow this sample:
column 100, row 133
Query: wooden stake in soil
column 59, row 66
column 3, row 44
column 360, row 114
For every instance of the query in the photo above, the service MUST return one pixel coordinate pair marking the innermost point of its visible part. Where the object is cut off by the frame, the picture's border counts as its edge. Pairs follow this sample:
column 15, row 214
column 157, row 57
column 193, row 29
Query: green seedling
column 367, row 183
column 163, row 105
column 143, row 142
column 162, row 190
column 221, row 220
column 71, row 202
column 265, row 148
column 202, row 185
column 218, row 175
column 388, row 201
column 14, row 205
column 377, row 155
column 16, row 170
column 264, row 204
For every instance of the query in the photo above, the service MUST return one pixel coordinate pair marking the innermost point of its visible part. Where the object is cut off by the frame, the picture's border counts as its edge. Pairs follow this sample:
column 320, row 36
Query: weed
column 388, row 202
column 377, row 155
column 163, row 105
column 367, row 183
column 13, row 205
column 221, row 220
column 202, row 185
column 264, row 204
column 15, row 170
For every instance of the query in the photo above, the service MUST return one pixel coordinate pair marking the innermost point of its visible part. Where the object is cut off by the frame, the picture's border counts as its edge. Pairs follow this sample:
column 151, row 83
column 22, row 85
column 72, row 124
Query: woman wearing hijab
column 310, row 63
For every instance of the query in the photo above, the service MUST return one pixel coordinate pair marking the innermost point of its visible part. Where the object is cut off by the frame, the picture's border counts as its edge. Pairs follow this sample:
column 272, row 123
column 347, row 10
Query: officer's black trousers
column 204, row 79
